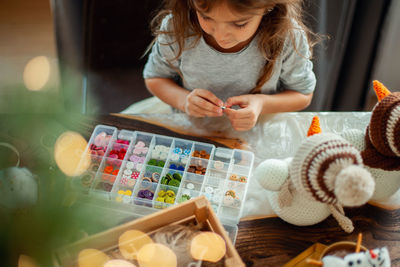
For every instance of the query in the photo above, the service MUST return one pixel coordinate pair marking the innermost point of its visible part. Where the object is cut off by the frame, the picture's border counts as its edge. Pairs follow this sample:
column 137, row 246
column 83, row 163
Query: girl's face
column 227, row 28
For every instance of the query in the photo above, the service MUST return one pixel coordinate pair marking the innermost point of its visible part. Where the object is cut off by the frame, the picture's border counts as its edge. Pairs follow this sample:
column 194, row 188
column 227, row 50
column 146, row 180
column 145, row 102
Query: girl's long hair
column 280, row 21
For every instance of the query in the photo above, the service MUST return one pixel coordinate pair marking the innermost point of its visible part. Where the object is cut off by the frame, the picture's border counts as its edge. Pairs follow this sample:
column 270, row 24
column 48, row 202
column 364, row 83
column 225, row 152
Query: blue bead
column 172, row 166
column 181, row 168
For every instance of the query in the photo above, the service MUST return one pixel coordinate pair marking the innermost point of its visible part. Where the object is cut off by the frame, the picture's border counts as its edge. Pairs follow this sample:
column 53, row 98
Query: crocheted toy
column 325, row 174
column 370, row 258
column 380, row 143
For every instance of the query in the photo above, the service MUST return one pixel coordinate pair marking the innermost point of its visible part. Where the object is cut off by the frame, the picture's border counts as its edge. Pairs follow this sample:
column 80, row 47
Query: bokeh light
column 37, row 73
column 92, row 257
column 208, row 246
column 130, row 242
column 69, row 154
column 156, row 255
column 119, row 263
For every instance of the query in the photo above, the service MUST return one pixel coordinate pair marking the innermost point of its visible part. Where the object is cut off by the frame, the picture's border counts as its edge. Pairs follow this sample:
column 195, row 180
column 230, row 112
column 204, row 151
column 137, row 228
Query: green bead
column 174, row 182
column 164, row 180
column 161, row 163
column 152, row 162
column 177, row 176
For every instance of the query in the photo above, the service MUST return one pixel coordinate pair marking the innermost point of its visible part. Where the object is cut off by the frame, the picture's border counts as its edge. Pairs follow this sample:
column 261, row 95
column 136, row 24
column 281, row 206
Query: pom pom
column 354, row 186
column 315, row 127
column 380, row 90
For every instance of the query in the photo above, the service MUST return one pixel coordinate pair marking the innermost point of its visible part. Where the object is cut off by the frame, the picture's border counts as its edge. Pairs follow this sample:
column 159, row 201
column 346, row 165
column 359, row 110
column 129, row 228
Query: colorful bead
column 174, row 157
column 243, row 179
column 209, row 189
column 123, row 181
column 127, row 172
column 155, row 177
column 230, row 193
column 181, row 168
column 135, row 175
column 140, row 144
column 130, row 165
column 177, row 150
column 190, row 186
column 108, row 169
column 219, row 165
column 234, row 177
column 131, row 182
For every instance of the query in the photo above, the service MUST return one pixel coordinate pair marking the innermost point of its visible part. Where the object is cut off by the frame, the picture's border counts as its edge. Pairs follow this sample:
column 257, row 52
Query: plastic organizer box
column 157, row 171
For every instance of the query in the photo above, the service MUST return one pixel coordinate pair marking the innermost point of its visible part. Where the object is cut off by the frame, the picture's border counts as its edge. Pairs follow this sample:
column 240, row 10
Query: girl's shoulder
column 167, row 23
column 296, row 39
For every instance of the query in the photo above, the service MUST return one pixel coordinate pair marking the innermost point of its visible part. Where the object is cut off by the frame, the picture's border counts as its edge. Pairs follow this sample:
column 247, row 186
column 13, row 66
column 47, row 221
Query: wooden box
column 197, row 210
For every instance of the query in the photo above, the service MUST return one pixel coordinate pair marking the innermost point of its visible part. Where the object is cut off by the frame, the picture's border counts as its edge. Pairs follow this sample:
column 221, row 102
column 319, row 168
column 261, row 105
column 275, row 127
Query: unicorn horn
column 380, row 90
column 315, row 127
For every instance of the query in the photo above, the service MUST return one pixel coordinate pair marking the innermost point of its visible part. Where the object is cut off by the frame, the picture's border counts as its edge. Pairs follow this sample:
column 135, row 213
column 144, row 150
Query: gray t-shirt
column 230, row 74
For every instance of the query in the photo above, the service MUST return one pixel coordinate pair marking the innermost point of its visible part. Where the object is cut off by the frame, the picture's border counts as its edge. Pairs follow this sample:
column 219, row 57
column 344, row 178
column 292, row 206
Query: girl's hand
column 245, row 118
column 203, row 103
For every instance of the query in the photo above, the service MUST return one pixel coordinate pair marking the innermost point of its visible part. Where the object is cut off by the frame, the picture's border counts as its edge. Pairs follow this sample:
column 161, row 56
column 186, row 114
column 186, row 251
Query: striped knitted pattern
column 317, row 162
column 383, row 134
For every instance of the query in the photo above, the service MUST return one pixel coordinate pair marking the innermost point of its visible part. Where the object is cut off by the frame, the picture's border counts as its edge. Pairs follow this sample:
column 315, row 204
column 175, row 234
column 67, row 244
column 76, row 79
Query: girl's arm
column 286, row 101
column 197, row 103
column 168, row 91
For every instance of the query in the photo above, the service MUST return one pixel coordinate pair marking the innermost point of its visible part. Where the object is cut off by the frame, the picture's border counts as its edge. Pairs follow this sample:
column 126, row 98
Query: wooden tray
column 198, row 209
column 312, row 252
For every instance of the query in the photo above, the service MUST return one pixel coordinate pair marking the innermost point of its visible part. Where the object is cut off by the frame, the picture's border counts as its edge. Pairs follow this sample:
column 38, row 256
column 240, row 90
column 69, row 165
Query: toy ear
column 272, row 174
column 315, row 127
column 380, row 90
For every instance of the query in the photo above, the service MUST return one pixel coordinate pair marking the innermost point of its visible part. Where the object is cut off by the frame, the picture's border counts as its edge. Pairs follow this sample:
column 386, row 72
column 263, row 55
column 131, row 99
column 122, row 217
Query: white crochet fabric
column 325, row 173
column 386, row 182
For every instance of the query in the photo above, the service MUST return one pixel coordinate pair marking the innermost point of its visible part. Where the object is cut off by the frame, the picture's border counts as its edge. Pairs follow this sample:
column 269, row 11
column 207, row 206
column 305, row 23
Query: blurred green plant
column 31, row 121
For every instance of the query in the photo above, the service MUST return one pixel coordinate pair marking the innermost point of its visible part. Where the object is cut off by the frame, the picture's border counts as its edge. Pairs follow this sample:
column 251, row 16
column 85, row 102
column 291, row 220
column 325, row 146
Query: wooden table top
column 269, row 241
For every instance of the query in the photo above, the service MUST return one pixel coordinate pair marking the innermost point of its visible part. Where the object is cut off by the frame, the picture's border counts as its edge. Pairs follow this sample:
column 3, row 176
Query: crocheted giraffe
column 380, row 142
column 325, row 174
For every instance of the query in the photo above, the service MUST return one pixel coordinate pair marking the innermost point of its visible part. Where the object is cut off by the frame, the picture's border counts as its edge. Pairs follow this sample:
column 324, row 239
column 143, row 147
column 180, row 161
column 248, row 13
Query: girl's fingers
column 237, row 114
column 199, row 111
column 210, row 97
column 208, row 108
column 236, row 100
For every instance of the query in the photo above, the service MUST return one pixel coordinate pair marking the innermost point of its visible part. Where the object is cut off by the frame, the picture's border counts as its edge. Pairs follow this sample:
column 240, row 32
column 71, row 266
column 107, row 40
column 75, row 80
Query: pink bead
column 100, row 139
column 140, row 144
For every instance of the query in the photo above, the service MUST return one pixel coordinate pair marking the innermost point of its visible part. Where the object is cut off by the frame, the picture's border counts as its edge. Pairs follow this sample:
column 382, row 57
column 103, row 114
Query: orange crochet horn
column 380, row 90
column 315, row 127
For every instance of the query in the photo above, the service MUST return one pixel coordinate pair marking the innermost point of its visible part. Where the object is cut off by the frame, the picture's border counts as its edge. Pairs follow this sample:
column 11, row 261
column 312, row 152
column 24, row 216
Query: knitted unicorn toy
column 325, row 174
column 380, row 143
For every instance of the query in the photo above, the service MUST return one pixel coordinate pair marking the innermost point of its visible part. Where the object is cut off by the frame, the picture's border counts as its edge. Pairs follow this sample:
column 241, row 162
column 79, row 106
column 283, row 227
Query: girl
column 211, row 55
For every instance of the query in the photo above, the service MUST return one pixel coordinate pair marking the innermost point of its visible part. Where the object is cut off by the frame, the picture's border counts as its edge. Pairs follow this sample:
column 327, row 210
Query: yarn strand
column 344, row 222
